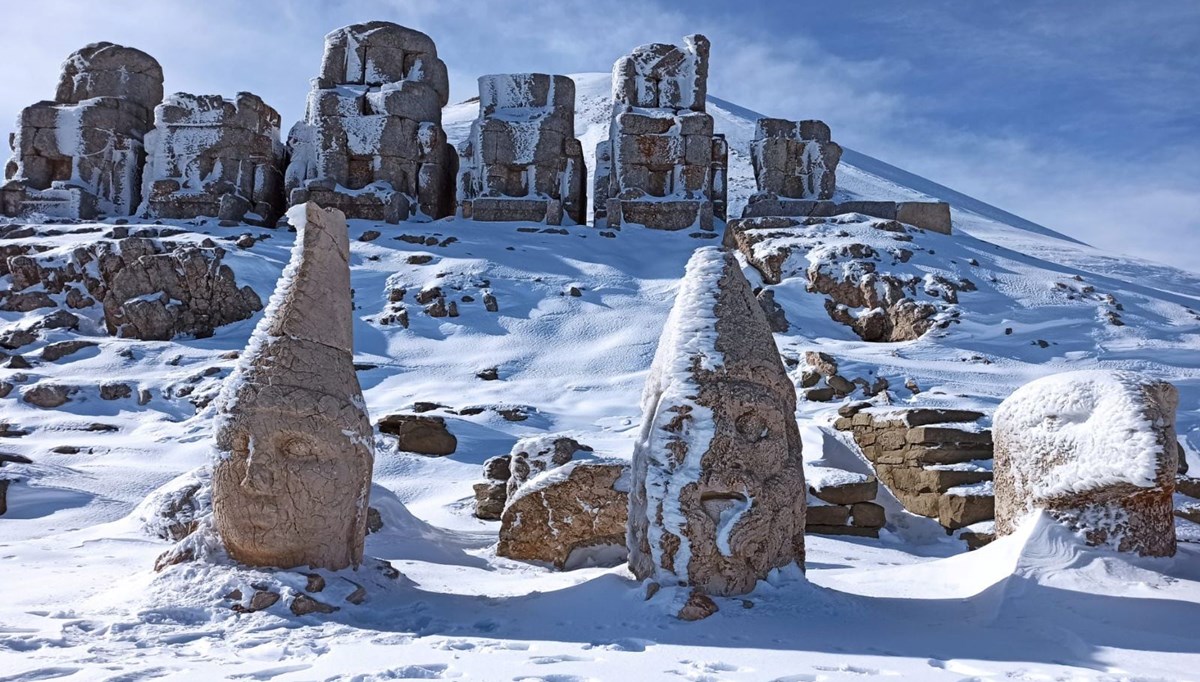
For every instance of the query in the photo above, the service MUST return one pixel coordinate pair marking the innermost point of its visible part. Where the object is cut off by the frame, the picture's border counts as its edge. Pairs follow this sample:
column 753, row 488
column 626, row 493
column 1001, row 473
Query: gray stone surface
column 212, row 156
column 521, row 160
column 81, row 155
column 295, row 404
column 371, row 143
column 661, row 166
column 795, row 159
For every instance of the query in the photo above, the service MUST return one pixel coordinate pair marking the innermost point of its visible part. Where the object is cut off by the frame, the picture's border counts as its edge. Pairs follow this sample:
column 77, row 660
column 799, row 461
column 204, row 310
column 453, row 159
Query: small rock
column 115, row 391
column 47, row 395
column 56, row 351
column 358, row 596
column 303, row 605
column 489, row 374
column 374, row 520
column 245, row 241
column 369, row 236
column 316, row 582
column 262, row 599
column 824, row 363
column 698, row 607
column 17, row 362
column 419, row 259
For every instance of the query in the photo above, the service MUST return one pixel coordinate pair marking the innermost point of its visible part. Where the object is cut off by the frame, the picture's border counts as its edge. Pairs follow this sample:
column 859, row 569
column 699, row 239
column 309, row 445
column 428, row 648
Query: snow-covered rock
column 1095, row 448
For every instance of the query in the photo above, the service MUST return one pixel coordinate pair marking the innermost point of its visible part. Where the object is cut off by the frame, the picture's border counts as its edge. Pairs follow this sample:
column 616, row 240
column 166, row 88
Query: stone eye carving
column 752, row 427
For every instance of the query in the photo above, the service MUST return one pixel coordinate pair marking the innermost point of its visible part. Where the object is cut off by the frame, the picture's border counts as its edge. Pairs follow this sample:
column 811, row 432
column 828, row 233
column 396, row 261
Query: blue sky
column 1083, row 116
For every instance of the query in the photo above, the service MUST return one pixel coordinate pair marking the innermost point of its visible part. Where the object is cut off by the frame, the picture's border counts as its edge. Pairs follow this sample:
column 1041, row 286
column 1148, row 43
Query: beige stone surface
column 295, row 444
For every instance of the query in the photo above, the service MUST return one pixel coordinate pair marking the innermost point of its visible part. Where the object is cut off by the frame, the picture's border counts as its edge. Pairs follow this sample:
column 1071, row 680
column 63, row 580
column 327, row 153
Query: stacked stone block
column 212, row 156
column 933, row 467
column 371, row 143
column 522, row 161
column 662, row 166
column 845, row 506
column 795, row 159
column 80, row 155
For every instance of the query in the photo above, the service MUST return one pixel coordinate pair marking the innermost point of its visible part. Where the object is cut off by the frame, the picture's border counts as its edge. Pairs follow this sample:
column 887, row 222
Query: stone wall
column 933, row 464
column 212, row 156
column 661, row 166
column 522, row 161
column 371, row 143
column 80, row 155
column 927, row 215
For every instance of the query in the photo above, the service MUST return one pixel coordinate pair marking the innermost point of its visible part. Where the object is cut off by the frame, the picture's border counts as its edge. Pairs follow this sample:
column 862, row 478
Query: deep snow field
column 79, row 599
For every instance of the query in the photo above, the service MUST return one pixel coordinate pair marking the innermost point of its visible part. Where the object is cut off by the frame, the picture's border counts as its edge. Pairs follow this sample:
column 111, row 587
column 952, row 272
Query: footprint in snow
column 562, row 658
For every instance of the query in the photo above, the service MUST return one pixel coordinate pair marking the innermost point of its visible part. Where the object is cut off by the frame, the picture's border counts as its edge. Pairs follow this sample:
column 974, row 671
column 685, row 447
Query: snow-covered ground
column 79, row 599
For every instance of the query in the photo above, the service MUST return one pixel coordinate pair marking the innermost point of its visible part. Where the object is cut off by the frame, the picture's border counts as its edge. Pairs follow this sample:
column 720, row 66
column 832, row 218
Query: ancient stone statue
column 1096, row 449
column 795, row 159
column 81, row 154
column 522, row 161
column 718, row 493
column 661, row 166
column 211, row 156
column 371, row 143
column 295, row 445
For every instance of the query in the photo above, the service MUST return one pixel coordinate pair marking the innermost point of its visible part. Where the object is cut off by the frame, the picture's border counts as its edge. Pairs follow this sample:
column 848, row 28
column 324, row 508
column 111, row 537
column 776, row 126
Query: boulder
column 718, row 496
column 568, row 516
column 420, row 434
column 1097, row 450
column 57, row 351
column 296, row 448
column 47, row 395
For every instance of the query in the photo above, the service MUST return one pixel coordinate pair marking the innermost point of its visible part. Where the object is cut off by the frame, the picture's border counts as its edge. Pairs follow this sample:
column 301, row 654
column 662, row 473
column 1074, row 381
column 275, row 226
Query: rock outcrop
column 295, row 445
column 795, row 159
column 569, row 516
column 1096, row 449
column 371, row 143
column 718, row 494
column 212, row 156
column 661, row 166
column 860, row 264
column 521, row 160
column 149, row 288
column 937, row 463
column 80, row 155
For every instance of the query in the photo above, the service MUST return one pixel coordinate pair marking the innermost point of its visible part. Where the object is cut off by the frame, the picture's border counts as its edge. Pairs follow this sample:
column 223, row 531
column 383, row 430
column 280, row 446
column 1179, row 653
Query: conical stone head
column 718, row 497
column 294, row 443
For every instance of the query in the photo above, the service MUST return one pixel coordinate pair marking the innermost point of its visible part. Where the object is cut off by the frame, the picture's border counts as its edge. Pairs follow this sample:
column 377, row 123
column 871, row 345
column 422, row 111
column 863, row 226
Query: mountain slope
column 86, row 605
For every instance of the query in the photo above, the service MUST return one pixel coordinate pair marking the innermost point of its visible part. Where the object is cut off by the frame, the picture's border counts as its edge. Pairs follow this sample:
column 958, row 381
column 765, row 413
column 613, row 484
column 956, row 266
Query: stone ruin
column 371, row 143
column 661, row 166
column 80, row 156
column 295, row 445
column 795, row 159
column 718, row 496
column 521, row 160
column 795, row 169
column 212, row 156
column 1097, row 450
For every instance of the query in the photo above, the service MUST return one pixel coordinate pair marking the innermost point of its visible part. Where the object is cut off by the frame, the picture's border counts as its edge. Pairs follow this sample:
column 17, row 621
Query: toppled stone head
column 1096, row 449
column 294, row 441
column 109, row 70
column 718, row 497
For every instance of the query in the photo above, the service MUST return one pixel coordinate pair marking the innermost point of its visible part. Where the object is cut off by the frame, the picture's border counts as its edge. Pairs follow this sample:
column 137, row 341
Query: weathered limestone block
column 531, row 456
column 81, row 154
column 295, row 445
column 795, row 159
column 1097, row 450
column 568, row 516
column 927, row 215
column 661, row 166
column 521, row 160
column 211, row 156
column 718, row 495
column 371, row 143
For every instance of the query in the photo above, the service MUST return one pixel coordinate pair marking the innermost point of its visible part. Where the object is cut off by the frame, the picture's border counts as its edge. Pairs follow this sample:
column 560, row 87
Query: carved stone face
column 293, row 488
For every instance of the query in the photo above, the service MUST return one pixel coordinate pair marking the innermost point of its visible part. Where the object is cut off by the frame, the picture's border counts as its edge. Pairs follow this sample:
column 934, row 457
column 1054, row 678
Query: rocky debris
column 718, row 496
column 933, row 466
column 150, row 289
column 420, row 434
column 1096, row 449
column 568, row 516
column 860, row 264
column 48, row 396
column 56, row 351
column 795, row 159
column 80, row 155
column 662, row 166
column 371, row 143
column 212, row 156
column 294, row 402
column 521, row 161
column 822, row 368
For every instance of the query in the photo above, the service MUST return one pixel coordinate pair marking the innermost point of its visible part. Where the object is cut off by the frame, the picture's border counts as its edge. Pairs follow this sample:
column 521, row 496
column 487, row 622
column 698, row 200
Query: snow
column 1088, row 430
column 81, row 601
